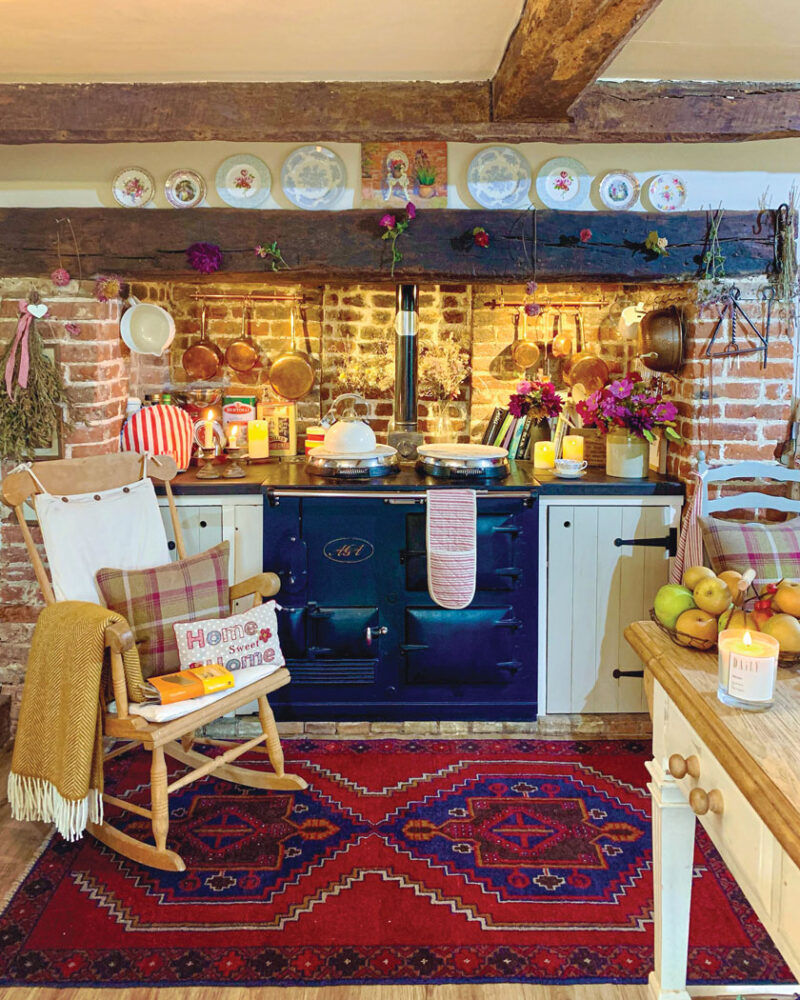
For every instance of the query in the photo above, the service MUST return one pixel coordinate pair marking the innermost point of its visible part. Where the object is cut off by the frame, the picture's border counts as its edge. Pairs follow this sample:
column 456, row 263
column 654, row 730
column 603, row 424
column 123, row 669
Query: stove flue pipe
column 406, row 326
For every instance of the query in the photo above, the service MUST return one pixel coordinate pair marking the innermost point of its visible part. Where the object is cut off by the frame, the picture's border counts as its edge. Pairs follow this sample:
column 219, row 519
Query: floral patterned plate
column 562, row 183
column 499, row 177
column 313, row 177
column 133, row 187
column 619, row 190
column 667, row 192
column 185, row 188
column 243, row 181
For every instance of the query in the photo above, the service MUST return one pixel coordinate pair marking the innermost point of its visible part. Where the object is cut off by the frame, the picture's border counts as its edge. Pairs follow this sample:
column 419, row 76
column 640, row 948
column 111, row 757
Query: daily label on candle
column 751, row 679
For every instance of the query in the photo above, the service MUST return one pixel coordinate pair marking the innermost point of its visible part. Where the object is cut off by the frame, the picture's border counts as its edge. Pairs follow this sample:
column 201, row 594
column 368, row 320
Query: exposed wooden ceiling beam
column 557, row 50
column 360, row 112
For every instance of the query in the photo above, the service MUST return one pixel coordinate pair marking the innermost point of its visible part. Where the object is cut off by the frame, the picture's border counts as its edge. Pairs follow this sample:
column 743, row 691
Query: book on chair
column 192, row 683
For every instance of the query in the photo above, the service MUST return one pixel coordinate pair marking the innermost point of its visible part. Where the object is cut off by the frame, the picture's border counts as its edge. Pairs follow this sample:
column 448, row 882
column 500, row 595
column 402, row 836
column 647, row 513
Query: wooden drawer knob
column 703, row 802
column 680, row 766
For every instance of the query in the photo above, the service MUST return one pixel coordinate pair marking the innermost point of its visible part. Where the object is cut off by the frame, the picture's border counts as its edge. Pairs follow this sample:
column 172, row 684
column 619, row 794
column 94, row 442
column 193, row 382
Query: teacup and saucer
column 570, row 468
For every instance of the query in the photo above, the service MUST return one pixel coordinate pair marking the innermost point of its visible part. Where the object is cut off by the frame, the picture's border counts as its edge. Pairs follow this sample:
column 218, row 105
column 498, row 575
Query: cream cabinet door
column 201, row 527
column 595, row 588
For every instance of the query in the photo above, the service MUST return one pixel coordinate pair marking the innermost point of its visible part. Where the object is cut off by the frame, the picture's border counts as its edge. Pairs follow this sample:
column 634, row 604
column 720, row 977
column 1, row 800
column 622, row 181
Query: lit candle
column 572, row 447
column 208, row 431
column 544, row 455
column 233, row 435
column 258, row 439
column 748, row 666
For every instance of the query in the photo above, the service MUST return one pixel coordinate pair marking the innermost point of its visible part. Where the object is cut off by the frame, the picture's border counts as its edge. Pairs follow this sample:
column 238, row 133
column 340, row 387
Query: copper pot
column 661, row 340
column 203, row 359
column 588, row 370
column 562, row 342
column 242, row 354
column 292, row 373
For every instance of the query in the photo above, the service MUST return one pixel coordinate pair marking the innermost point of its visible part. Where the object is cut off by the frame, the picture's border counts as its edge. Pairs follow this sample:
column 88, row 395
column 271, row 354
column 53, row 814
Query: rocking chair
column 176, row 737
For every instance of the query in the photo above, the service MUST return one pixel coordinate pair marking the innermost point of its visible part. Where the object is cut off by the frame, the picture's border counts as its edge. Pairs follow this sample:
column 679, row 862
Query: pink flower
column 530, row 288
column 411, row 210
column 480, row 236
column 204, row 257
column 72, row 329
column 260, row 251
column 586, row 235
column 524, row 387
column 388, row 221
column 532, row 308
column 60, row 277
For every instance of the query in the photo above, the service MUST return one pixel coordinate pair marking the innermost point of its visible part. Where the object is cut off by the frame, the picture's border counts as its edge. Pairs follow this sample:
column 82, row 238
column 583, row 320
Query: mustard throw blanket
column 57, row 768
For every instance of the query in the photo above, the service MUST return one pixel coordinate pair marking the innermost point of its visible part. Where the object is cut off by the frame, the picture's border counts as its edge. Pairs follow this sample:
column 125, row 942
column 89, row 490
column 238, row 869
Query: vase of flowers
column 541, row 401
column 629, row 416
column 443, row 367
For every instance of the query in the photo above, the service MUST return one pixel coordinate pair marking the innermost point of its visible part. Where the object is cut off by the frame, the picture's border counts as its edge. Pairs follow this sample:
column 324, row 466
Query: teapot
column 349, row 434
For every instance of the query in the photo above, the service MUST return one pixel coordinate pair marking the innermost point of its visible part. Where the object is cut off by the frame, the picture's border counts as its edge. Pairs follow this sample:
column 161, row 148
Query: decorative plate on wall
column 563, row 183
column 133, row 187
column 243, row 181
column 313, row 177
column 185, row 188
column 619, row 190
column 499, row 177
column 667, row 192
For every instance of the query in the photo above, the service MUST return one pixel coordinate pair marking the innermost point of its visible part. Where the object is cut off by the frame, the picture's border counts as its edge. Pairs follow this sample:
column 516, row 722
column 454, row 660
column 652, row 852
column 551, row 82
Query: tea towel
column 451, row 538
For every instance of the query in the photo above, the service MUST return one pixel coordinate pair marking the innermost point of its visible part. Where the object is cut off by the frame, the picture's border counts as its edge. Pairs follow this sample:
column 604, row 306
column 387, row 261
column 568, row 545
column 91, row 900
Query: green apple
column 670, row 603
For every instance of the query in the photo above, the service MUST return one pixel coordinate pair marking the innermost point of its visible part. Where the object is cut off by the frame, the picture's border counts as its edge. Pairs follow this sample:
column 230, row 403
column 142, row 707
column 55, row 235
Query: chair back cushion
column 249, row 639
column 154, row 600
column 772, row 550
column 121, row 527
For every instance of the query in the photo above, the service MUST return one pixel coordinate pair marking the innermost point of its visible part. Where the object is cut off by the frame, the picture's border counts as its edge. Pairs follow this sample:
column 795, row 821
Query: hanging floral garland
column 33, row 398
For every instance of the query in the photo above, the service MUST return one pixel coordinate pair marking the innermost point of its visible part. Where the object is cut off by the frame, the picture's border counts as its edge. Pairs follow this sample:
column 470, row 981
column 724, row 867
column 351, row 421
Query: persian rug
column 446, row 861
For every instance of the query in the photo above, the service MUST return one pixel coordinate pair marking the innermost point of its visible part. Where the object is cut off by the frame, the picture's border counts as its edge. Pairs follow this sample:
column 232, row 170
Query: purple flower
column 388, row 221
column 518, row 405
column 204, row 257
column 532, row 308
column 60, row 277
column 411, row 210
column 530, row 288
column 524, row 387
column 621, row 389
column 665, row 412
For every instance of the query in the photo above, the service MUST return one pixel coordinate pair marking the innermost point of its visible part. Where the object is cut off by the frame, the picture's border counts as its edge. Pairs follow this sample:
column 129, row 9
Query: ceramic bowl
column 147, row 328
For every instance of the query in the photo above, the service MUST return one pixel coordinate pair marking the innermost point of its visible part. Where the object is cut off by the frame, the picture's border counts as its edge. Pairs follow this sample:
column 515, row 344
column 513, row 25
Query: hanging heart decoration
column 37, row 309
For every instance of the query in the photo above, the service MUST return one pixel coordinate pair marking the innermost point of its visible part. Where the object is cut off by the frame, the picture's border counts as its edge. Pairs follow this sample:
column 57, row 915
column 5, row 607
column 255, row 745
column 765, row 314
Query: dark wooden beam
column 360, row 112
column 347, row 246
column 557, row 50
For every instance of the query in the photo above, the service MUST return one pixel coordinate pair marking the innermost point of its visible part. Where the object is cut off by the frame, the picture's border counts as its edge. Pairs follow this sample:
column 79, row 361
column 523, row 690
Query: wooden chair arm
column 119, row 637
column 262, row 584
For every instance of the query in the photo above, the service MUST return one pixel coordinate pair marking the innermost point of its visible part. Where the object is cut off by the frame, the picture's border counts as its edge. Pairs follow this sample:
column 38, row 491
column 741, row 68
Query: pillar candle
column 208, row 431
column 258, row 439
column 573, row 447
column 544, row 455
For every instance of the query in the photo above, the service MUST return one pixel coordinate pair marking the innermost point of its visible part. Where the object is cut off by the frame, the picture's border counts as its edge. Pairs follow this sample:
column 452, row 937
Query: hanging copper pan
column 203, row 359
column 292, row 373
column 562, row 341
column 524, row 352
column 242, row 354
column 588, row 370
column 661, row 340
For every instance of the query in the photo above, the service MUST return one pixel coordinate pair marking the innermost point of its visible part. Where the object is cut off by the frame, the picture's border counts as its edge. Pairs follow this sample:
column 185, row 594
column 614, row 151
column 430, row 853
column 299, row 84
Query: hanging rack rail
column 508, row 304
column 199, row 296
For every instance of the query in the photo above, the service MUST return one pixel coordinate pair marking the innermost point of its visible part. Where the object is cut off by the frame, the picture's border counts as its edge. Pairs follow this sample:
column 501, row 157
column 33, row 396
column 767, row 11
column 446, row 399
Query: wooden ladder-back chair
column 747, row 499
column 176, row 737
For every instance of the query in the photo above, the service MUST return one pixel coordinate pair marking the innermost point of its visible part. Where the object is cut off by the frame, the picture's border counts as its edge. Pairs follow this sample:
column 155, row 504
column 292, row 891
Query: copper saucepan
column 292, row 373
column 203, row 359
column 242, row 354
column 588, row 370
column 524, row 352
column 661, row 336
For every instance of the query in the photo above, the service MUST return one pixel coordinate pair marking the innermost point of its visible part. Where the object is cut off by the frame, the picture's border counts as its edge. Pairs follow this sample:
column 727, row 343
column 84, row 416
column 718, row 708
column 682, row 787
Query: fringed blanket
column 57, row 767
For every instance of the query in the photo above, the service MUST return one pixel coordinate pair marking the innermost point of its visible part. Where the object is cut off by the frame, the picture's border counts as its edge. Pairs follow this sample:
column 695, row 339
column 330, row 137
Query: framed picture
column 56, row 447
column 282, row 418
column 394, row 173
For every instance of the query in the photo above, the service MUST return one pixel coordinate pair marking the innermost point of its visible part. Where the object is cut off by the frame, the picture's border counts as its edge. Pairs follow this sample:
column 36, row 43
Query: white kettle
column 350, row 434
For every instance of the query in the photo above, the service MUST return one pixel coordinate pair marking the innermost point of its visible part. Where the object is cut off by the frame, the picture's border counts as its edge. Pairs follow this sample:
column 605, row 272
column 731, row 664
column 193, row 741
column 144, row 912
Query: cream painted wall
column 62, row 176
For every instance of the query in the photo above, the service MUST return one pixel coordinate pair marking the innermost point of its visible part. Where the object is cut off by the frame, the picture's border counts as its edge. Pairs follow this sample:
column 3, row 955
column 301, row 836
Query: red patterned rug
column 446, row 861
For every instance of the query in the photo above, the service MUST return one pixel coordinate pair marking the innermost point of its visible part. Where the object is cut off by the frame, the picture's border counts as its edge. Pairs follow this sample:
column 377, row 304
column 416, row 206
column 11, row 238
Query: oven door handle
column 413, row 647
column 513, row 623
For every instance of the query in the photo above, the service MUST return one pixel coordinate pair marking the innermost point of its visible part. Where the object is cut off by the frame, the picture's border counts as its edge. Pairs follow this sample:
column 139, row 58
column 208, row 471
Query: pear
column 786, row 629
column 694, row 574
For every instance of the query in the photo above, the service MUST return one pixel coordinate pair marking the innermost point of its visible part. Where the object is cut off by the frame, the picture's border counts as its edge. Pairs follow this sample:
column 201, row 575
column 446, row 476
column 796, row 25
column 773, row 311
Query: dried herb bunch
column 443, row 367
column 367, row 372
column 29, row 417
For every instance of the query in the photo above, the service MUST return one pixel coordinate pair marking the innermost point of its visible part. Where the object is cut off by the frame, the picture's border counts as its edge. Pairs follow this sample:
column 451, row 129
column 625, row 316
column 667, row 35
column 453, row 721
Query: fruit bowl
column 682, row 638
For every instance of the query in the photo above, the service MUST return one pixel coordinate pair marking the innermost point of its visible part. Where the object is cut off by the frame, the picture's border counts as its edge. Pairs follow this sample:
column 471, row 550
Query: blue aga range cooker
column 362, row 637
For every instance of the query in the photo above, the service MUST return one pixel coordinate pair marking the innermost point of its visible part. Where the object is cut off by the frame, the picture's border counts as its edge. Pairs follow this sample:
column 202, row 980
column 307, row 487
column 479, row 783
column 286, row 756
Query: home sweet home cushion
column 772, row 550
column 154, row 600
column 249, row 639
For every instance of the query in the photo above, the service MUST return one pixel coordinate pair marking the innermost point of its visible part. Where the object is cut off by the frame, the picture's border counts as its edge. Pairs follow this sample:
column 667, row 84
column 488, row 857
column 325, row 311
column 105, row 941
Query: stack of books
column 512, row 433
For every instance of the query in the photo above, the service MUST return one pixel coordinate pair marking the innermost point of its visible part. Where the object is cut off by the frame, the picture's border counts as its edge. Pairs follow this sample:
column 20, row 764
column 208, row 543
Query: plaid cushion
column 153, row 600
column 772, row 550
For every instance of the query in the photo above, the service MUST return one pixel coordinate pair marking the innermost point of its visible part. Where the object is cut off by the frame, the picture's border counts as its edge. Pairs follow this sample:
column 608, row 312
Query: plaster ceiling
column 150, row 40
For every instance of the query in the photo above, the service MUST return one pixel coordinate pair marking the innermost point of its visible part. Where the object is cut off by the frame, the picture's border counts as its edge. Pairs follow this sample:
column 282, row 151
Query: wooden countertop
column 759, row 750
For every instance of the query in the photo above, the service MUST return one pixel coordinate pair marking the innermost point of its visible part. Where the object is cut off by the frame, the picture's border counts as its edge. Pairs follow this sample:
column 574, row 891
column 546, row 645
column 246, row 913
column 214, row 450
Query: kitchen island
column 562, row 567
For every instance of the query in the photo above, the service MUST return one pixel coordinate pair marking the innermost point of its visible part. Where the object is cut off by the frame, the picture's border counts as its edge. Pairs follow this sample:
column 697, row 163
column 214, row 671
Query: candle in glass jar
column 544, row 455
column 748, row 666
column 258, row 439
column 208, row 431
column 572, row 447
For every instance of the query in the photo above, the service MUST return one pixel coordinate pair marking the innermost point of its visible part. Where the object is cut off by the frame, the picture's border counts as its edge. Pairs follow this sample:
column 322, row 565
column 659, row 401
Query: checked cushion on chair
column 771, row 549
column 154, row 600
